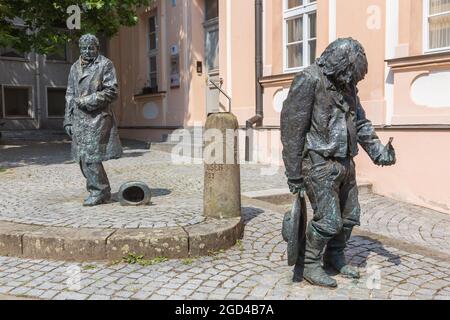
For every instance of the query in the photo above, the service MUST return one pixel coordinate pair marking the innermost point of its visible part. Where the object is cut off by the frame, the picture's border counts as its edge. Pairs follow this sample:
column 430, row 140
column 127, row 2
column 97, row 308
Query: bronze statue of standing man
column 322, row 123
column 89, row 120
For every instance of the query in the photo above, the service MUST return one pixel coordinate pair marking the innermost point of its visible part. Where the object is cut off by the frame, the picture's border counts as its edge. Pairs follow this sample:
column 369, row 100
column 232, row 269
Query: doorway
column 211, row 26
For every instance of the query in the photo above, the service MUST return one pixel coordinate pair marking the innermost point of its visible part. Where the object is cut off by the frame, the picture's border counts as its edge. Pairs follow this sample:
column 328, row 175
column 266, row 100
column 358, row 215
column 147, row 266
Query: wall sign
column 174, row 67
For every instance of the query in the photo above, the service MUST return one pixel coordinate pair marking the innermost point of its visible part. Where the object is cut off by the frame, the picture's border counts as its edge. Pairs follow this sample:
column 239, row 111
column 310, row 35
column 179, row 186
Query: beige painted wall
column 353, row 20
column 419, row 176
column 180, row 26
column 197, row 100
column 237, row 56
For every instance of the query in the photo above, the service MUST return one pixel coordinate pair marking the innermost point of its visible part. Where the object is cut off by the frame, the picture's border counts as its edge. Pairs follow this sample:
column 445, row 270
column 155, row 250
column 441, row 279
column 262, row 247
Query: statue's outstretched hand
column 387, row 157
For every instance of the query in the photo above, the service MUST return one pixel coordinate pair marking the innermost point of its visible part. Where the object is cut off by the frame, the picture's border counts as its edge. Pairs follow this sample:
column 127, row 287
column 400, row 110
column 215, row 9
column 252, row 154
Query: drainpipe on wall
column 37, row 68
column 259, row 116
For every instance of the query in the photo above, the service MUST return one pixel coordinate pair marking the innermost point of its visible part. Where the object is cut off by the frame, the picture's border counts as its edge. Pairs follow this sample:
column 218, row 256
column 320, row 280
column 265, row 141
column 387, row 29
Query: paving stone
column 99, row 297
column 6, row 289
column 124, row 294
column 71, row 296
column 203, row 289
column 48, row 294
column 19, row 291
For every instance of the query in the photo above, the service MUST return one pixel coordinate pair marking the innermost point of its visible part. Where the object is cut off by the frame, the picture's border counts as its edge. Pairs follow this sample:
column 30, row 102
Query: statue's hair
column 89, row 39
column 342, row 54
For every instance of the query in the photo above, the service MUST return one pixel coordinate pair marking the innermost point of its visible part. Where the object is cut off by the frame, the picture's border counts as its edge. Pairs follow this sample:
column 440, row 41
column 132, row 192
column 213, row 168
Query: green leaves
column 133, row 258
column 44, row 22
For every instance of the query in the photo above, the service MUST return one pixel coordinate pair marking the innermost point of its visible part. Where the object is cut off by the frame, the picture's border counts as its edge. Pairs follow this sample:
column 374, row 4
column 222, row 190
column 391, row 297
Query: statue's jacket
column 317, row 117
column 95, row 135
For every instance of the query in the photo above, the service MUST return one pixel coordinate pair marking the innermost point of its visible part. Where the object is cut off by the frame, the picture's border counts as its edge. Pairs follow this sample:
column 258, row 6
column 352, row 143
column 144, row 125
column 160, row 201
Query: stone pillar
column 222, row 187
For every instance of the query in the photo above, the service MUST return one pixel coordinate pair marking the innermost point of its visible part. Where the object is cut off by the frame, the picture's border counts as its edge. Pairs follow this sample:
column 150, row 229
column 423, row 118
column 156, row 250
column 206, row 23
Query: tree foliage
column 44, row 21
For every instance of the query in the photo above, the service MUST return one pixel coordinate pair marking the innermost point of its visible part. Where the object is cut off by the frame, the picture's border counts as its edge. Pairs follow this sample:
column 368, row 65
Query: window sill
column 58, row 61
column 18, row 118
column 278, row 79
column 14, row 59
column 439, row 50
column 149, row 96
column 426, row 60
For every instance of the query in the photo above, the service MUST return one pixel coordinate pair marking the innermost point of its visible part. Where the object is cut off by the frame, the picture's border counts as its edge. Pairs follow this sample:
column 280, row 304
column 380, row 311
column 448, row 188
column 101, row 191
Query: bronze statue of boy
column 322, row 123
column 89, row 120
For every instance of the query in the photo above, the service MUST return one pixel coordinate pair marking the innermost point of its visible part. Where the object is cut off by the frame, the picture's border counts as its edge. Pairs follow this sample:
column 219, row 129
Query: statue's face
column 353, row 74
column 345, row 79
column 88, row 51
column 360, row 70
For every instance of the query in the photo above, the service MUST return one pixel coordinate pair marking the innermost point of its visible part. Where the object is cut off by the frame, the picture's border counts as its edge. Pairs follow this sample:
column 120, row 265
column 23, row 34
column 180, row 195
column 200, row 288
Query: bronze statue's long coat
column 94, row 132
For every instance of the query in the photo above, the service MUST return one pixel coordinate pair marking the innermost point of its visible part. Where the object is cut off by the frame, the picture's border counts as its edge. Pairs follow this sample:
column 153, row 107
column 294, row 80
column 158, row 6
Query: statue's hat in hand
column 294, row 228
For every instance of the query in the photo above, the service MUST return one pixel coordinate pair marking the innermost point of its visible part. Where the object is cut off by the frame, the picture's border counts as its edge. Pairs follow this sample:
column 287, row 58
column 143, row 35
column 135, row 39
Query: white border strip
column 332, row 21
column 229, row 51
column 392, row 24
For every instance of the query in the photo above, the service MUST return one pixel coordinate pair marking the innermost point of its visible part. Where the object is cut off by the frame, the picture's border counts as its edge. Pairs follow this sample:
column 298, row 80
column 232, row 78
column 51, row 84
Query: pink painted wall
column 419, row 176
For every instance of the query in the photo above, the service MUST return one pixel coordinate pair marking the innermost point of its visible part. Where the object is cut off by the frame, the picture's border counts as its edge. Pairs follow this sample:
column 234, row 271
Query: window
column 17, row 102
column 153, row 52
column 212, row 9
column 437, row 25
column 300, row 33
column 56, row 102
column 11, row 53
column 59, row 54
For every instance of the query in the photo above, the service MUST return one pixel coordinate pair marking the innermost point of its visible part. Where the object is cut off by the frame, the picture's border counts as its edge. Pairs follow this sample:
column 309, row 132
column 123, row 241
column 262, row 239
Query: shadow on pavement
column 375, row 247
column 250, row 213
column 19, row 152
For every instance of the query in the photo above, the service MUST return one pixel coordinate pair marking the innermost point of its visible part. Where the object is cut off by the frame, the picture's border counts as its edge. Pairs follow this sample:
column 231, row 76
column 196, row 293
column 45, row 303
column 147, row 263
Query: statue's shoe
column 338, row 263
column 315, row 275
column 94, row 201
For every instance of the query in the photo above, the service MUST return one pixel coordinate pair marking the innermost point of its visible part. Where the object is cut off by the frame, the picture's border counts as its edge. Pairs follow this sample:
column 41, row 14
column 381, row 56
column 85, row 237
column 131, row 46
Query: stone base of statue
column 50, row 223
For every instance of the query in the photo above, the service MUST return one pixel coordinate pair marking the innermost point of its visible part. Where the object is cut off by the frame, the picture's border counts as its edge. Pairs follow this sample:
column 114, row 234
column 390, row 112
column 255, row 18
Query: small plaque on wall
column 174, row 67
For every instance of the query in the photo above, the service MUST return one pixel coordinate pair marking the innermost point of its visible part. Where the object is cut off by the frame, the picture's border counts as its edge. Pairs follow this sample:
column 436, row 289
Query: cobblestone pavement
column 254, row 269
column 51, row 194
column 406, row 222
column 401, row 221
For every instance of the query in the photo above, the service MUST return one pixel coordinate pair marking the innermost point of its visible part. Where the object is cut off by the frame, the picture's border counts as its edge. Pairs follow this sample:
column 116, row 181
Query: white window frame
column 30, row 101
column 154, row 52
column 289, row 14
column 46, row 101
column 426, row 30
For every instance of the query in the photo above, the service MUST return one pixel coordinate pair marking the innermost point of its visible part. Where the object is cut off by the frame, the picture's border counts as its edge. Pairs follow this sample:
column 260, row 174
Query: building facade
column 168, row 62
column 170, row 65
column 33, row 86
column 32, row 89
